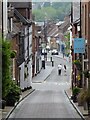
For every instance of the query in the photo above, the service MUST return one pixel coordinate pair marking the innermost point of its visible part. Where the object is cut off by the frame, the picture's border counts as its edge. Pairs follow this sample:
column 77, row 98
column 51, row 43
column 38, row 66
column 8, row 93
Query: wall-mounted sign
column 79, row 45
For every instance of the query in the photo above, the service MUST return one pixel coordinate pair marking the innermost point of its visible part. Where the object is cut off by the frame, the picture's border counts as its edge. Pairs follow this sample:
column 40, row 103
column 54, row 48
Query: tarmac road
column 49, row 99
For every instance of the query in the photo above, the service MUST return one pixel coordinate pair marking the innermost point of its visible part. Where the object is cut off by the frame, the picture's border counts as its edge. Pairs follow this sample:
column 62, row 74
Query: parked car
column 54, row 52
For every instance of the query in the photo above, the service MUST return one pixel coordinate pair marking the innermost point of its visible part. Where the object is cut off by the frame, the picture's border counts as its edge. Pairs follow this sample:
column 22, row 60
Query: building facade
column 36, row 50
column 20, row 33
column 86, row 35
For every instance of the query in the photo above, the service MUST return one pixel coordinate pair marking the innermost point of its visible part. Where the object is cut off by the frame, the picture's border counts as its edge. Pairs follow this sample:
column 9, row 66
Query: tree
column 55, row 11
column 47, row 4
column 10, row 91
column 39, row 15
column 5, row 67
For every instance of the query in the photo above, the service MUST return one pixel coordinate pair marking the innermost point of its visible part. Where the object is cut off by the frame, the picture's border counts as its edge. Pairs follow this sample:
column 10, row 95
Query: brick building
column 85, row 20
column 36, row 48
column 20, row 33
column 81, row 29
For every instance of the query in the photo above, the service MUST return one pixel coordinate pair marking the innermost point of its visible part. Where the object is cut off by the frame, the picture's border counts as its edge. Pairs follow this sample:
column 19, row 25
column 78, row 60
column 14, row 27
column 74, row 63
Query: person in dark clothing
column 65, row 68
column 59, row 69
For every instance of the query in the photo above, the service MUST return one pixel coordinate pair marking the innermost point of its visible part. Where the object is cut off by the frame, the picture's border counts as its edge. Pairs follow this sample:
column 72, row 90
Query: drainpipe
column 81, row 55
column 71, row 46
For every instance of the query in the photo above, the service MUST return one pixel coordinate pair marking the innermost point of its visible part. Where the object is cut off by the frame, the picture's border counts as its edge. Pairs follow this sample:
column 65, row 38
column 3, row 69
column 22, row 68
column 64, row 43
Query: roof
column 39, row 23
column 59, row 23
column 26, row 4
column 52, row 31
column 22, row 19
column 64, row 24
column 77, row 21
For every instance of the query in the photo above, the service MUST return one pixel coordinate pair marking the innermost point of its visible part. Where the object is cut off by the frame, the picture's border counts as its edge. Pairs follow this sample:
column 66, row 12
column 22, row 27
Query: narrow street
column 49, row 99
column 54, row 81
column 45, row 59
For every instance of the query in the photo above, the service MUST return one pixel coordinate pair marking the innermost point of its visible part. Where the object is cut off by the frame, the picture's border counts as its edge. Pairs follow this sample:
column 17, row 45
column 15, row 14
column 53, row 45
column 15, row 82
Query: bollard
column 51, row 59
column 43, row 64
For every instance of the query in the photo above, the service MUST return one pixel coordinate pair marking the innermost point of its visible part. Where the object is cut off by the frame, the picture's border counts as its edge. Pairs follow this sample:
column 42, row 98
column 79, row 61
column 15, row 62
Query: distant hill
column 51, row 11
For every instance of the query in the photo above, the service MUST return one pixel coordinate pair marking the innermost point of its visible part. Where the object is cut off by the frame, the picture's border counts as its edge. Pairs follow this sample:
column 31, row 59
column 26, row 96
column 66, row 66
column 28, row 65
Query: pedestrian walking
column 65, row 69
column 59, row 69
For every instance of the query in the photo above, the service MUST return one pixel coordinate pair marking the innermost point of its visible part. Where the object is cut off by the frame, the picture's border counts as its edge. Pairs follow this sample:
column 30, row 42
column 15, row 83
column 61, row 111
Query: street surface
column 49, row 99
column 54, row 81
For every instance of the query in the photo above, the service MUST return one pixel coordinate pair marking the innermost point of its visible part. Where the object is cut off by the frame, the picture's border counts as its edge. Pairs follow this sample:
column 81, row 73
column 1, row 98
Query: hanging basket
column 13, row 54
column 78, row 64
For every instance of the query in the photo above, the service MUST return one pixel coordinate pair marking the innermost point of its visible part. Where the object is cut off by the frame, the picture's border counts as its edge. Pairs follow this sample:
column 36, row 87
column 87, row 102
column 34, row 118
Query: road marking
column 56, row 83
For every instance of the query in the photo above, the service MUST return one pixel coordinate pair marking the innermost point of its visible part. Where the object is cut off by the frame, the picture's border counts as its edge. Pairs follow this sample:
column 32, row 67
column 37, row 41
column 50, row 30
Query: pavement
column 80, row 109
column 43, row 75
column 5, row 113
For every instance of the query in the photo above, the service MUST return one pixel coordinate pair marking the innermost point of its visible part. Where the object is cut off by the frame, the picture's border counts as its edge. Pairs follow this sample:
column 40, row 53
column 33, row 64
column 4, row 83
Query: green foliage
column 87, row 96
column 13, row 54
column 46, row 4
column 81, row 96
column 39, row 15
column 86, row 73
column 67, row 36
column 5, row 67
column 84, row 95
column 13, row 93
column 10, row 91
column 78, row 64
column 67, row 43
column 56, row 11
column 76, row 90
column 63, row 5
column 47, row 12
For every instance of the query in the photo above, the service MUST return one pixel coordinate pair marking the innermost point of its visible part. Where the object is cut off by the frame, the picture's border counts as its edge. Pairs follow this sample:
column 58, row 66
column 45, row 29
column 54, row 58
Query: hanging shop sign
column 79, row 45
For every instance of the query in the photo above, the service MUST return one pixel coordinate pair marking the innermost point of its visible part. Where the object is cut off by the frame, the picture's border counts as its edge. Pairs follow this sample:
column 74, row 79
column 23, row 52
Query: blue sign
column 79, row 45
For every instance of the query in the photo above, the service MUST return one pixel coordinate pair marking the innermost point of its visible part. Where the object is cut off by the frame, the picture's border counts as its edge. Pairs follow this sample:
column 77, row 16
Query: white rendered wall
column 5, row 31
column 22, row 76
